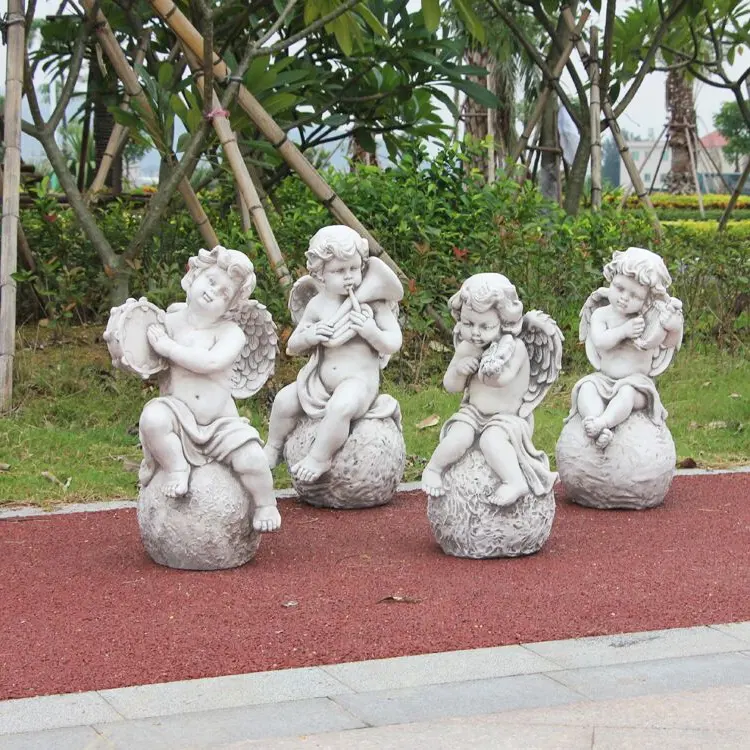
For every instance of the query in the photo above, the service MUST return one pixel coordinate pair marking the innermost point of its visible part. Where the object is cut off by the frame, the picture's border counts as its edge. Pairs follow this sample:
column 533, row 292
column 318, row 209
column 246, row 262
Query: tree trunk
column 681, row 109
column 549, row 164
column 475, row 114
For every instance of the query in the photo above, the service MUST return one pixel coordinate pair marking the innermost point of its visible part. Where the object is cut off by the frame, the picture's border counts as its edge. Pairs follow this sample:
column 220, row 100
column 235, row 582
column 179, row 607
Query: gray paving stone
column 464, row 734
column 455, row 699
column 710, row 709
column 74, row 738
column 739, row 630
column 626, row 738
column 232, row 691
column 54, row 712
column 659, row 676
column 211, row 729
column 634, row 647
column 433, row 669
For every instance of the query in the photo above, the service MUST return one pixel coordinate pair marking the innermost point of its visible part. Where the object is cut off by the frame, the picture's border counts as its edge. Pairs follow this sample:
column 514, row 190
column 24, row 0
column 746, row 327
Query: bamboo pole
column 193, row 41
column 491, row 125
column 694, row 168
column 541, row 102
column 118, row 137
column 11, row 197
column 626, row 192
column 595, row 120
column 127, row 75
column 622, row 147
column 248, row 193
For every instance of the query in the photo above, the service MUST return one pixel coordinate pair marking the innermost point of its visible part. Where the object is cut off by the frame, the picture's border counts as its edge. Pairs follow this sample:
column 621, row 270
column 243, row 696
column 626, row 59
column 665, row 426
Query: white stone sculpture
column 615, row 450
column 206, row 487
column 489, row 489
column 341, row 440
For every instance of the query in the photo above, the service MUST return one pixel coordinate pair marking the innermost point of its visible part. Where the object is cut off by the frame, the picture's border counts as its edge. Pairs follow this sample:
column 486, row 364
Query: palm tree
column 681, row 131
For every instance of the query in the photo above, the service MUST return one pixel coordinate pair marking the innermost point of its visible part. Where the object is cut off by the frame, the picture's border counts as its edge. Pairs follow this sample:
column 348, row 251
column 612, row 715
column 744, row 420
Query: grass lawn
column 72, row 435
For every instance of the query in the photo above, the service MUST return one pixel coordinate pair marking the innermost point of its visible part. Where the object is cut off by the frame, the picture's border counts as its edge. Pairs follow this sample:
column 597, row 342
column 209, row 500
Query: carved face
column 481, row 328
column 342, row 274
column 213, row 291
column 626, row 295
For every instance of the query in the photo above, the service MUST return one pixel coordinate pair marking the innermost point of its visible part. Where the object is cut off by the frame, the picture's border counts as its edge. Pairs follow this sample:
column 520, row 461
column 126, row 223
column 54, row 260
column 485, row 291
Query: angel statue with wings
column 345, row 313
column 504, row 363
column 615, row 449
column 631, row 330
column 218, row 345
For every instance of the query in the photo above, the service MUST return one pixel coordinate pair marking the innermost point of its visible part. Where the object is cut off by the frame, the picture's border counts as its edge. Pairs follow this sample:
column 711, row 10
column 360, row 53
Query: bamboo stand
column 622, row 147
column 127, row 75
column 11, row 198
column 248, row 193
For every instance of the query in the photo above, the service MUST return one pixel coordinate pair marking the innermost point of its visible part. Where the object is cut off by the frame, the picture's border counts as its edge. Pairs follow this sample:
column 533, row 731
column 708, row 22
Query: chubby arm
column 381, row 331
column 604, row 338
column 459, row 372
column 199, row 359
column 310, row 331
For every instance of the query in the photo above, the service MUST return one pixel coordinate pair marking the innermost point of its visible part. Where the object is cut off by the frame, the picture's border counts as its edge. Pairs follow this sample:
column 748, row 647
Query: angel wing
column 596, row 299
column 303, row 291
column 543, row 340
column 258, row 356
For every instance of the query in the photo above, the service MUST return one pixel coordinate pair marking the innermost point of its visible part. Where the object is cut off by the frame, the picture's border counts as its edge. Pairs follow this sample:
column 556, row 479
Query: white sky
column 647, row 111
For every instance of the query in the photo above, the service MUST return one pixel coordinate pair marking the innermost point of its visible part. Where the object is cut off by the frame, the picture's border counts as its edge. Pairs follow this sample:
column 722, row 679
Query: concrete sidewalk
column 683, row 688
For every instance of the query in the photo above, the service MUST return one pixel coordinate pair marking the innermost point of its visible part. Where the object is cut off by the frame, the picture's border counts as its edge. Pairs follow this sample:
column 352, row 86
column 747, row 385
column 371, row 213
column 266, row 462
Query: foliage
column 733, row 126
column 440, row 225
column 668, row 200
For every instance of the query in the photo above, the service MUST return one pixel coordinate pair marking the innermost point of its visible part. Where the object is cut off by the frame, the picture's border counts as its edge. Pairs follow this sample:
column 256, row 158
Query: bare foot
column 273, row 454
column 176, row 483
column 309, row 469
column 593, row 426
column 432, row 482
column 266, row 518
column 508, row 494
column 604, row 439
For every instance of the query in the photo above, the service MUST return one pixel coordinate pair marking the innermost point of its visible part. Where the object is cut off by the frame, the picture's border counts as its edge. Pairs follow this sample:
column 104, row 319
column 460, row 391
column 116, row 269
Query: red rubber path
column 84, row 608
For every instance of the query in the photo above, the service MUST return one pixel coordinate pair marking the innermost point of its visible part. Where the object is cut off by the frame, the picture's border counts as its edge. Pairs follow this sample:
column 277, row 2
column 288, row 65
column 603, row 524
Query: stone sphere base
column 365, row 472
column 634, row 471
column 210, row 528
column 466, row 523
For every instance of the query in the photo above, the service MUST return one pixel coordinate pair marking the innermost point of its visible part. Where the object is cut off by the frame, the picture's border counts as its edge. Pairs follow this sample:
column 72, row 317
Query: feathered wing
column 303, row 291
column 596, row 299
column 543, row 340
column 258, row 356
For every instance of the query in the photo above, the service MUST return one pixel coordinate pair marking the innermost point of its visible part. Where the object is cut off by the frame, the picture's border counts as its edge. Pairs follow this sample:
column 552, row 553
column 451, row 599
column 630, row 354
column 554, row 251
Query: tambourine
column 127, row 340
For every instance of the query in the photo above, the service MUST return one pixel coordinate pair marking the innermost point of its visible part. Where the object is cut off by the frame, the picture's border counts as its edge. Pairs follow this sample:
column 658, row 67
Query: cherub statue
column 504, row 363
column 218, row 345
column 345, row 312
column 631, row 329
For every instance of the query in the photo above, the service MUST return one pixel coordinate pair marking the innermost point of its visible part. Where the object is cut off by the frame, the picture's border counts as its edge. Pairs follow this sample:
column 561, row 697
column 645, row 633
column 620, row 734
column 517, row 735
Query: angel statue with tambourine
column 217, row 346
column 346, row 316
column 489, row 489
column 615, row 449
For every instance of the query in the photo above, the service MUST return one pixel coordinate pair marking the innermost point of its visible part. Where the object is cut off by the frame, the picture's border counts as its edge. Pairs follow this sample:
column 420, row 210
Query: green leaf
column 470, row 18
column 342, row 31
column 166, row 71
column 128, row 119
column 371, row 20
column 365, row 139
column 478, row 93
column 431, row 13
column 279, row 102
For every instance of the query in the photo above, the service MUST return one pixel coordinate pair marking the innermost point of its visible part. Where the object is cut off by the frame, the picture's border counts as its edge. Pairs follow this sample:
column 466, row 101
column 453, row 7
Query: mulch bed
column 84, row 608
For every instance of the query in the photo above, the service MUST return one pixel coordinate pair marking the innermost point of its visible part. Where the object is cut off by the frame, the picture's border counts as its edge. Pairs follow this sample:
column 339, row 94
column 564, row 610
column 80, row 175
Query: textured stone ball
column 365, row 472
column 466, row 523
column 634, row 471
column 210, row 528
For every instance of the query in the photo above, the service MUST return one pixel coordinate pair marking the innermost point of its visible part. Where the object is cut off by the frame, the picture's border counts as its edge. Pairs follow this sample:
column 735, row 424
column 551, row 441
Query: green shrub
column 438, row 223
